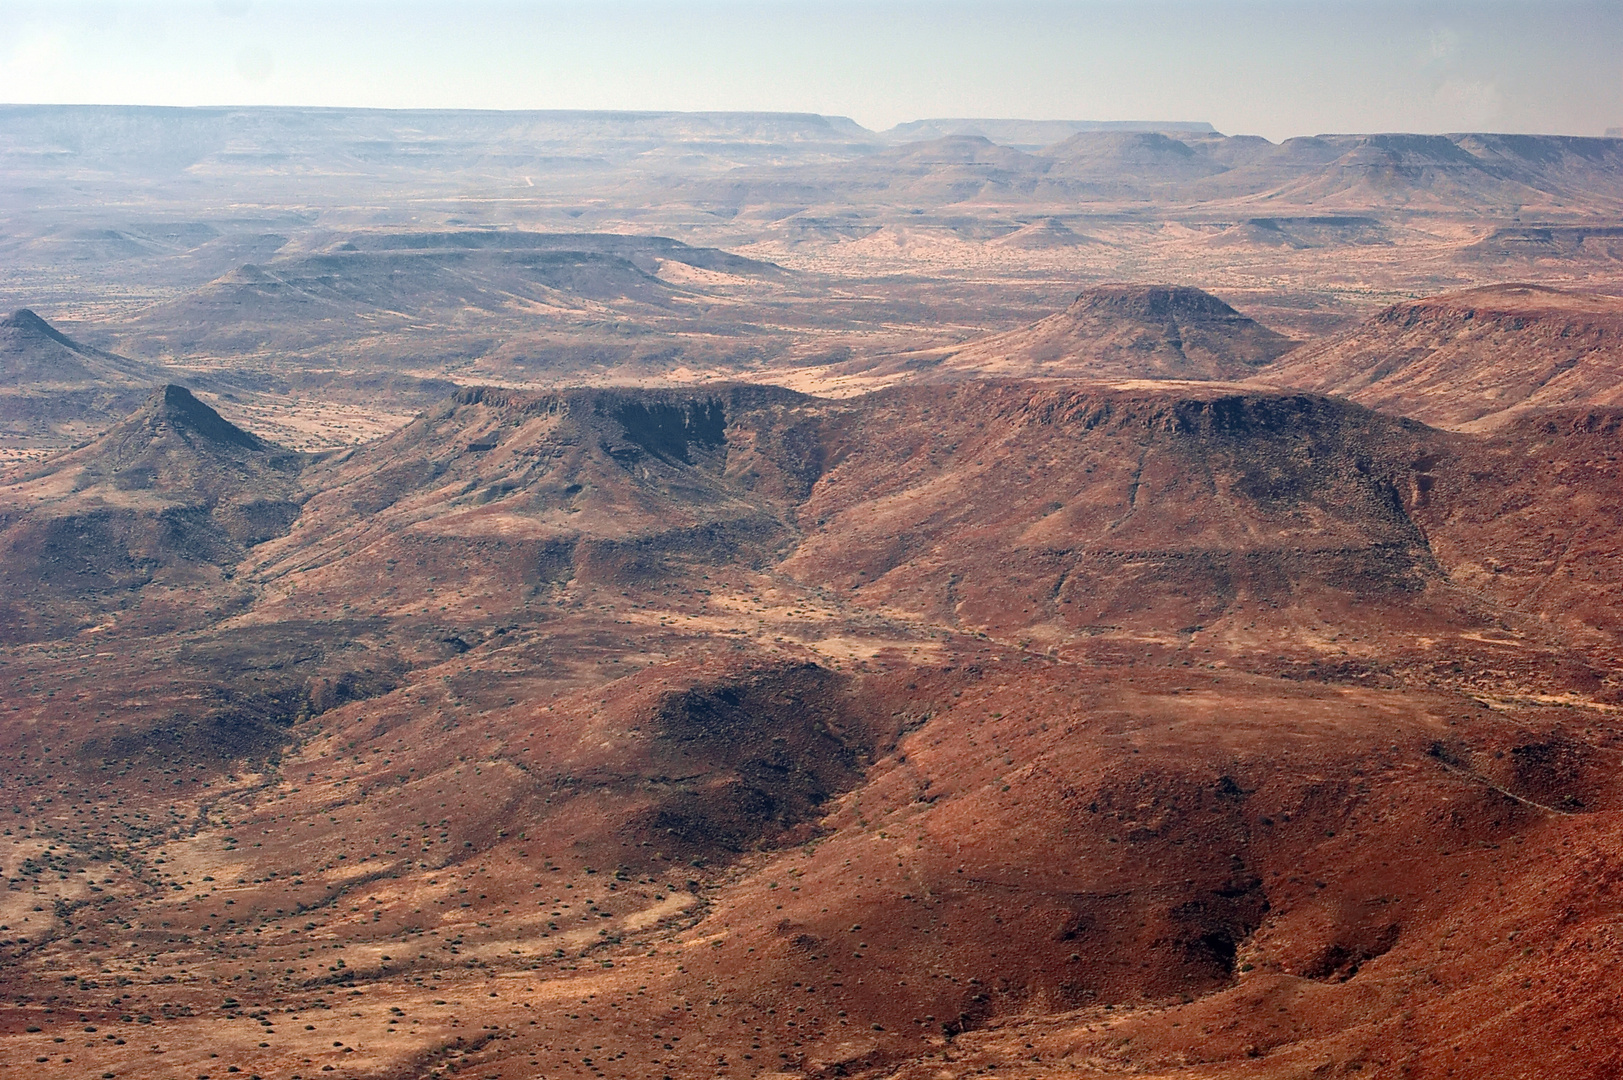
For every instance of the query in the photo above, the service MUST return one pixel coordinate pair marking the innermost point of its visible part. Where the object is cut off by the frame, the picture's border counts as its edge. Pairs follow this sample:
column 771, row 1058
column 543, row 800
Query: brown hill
column 1570, row 245
column 1412, row 171
column 933, row 172
column 1127, row 332
column 1044, row 235
column 54, row 390
column 361, row 284
column 172, row 494
column 33, row 351
column 1317, row 231
column 1472, row 360
column 990, row 727
column 1127, row 161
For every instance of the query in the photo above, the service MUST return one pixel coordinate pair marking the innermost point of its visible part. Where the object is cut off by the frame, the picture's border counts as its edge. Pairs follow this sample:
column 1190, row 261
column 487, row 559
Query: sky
column 1275, row 68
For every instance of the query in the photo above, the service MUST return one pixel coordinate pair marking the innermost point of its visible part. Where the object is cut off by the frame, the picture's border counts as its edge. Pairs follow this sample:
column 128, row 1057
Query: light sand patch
column 674, row 904
column 847, row 647
column 680, row 273
column 310, row 424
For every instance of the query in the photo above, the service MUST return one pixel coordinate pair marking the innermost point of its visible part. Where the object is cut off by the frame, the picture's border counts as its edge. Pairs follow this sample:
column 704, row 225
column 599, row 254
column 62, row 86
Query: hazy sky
column 1277, row 68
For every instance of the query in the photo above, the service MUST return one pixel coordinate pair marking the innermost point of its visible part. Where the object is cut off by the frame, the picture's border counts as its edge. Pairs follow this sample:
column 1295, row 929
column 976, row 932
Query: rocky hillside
column 1472, row 360
column 992, row 727
column 172, row 496
column 55, row 391
column 1118, row 332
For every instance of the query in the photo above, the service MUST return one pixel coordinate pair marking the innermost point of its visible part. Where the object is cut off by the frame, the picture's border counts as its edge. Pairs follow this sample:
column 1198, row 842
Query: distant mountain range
column 162, row 137
column 1030, row 134
column 938, row 160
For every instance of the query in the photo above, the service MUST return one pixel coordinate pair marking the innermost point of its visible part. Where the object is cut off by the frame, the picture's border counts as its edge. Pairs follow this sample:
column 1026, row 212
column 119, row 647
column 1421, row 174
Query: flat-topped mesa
column 667, row 422
column 1130, row 331
column 1513, row 301
column 585, row 480
column 646, row 252
column 1154, row 302
column 1472, row 360
column 1192, row 408
column 735, row 395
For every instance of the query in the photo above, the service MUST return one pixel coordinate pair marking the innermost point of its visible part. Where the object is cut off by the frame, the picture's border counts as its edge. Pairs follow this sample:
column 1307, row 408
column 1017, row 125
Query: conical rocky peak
column 177, row 406
column 26, row 322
